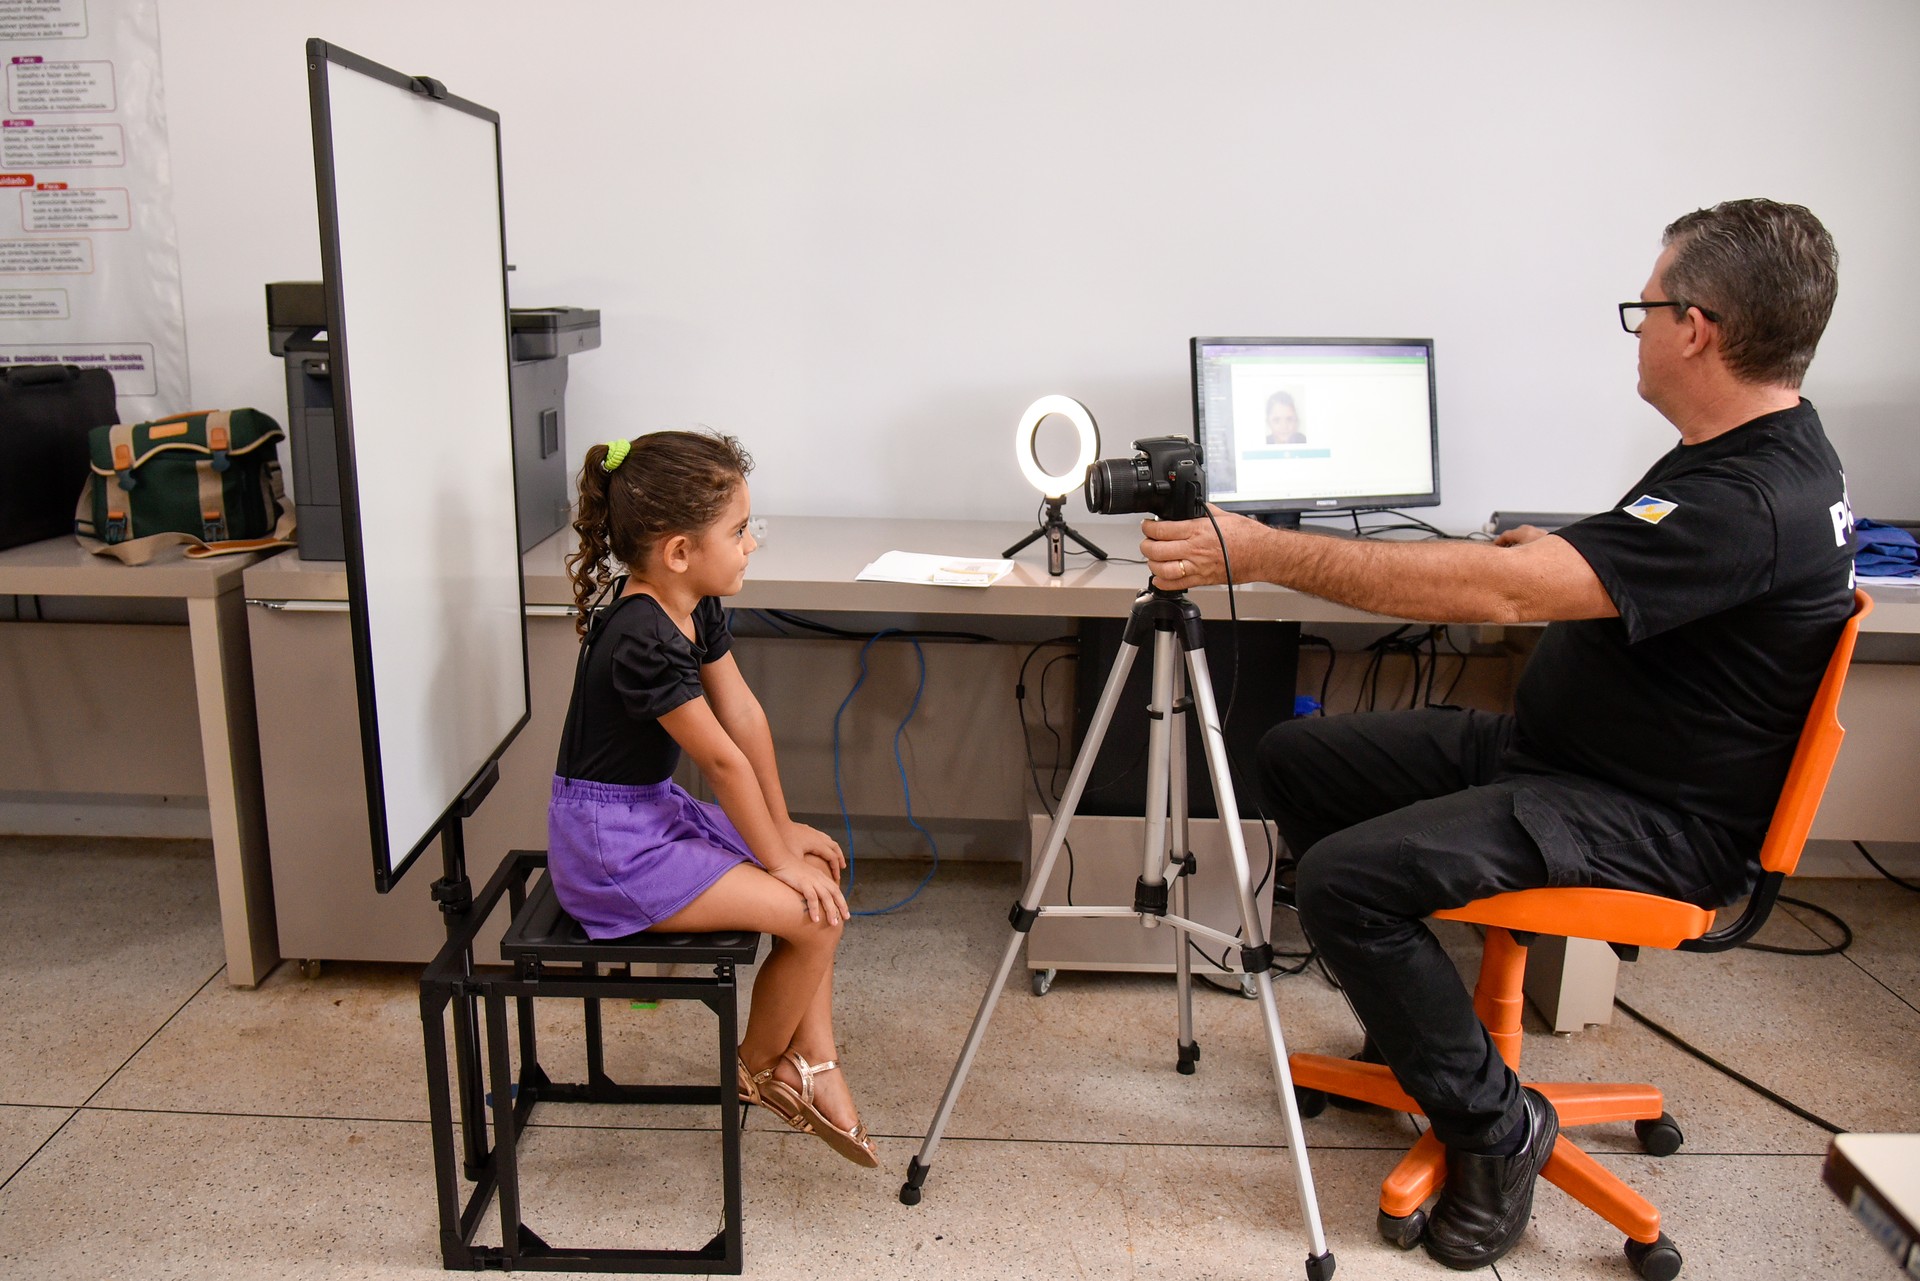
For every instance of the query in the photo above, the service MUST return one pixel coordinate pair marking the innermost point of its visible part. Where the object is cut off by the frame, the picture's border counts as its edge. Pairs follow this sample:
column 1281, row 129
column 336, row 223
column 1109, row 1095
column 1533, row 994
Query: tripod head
column 1160, row 610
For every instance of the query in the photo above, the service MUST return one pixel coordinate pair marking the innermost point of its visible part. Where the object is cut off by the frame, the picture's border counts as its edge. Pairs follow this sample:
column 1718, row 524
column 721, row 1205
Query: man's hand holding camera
column 1184, row 554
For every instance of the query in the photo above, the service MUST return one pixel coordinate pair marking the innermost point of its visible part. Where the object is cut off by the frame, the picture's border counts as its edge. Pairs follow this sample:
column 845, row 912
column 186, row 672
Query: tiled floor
column 156, row 1123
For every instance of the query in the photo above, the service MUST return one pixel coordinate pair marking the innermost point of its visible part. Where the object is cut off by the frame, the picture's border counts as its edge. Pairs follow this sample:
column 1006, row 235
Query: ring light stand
column 1054, row 527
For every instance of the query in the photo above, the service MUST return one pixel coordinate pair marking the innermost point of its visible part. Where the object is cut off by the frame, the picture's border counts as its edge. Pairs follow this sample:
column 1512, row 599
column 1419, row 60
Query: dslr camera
column 1165, row 479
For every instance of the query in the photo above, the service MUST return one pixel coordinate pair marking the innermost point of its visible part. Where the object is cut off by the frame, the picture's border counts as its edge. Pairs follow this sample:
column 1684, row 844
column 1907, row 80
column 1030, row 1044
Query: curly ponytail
column 670, row 482
column 588, row 566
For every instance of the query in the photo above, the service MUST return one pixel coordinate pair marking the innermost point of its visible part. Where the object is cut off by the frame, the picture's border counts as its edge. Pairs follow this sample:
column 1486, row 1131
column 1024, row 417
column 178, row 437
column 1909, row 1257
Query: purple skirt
column 624, row 858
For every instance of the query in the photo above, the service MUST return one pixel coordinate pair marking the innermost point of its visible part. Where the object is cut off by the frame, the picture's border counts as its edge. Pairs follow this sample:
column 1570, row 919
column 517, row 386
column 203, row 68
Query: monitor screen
column 1293, row 425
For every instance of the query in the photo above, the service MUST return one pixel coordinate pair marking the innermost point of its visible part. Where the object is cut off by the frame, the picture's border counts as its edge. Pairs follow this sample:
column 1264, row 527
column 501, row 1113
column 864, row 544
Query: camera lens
column 1114, row 485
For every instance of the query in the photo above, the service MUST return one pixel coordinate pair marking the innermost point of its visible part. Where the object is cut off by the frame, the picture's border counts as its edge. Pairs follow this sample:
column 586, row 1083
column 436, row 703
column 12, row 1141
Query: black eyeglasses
column 1634, row 314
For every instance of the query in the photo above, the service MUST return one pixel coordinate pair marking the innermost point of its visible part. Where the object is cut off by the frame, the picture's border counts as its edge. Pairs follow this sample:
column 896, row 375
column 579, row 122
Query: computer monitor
column 1303, row 425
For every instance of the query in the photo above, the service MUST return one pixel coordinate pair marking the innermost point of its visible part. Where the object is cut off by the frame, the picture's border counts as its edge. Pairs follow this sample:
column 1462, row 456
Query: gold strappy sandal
column 797, row 1108
column 752, row 1086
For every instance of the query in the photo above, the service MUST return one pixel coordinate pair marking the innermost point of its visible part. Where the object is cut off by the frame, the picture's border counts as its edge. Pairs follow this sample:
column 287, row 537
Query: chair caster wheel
column 1657, row 1262
column 1402, row 1233
column 1042, row 981
column 310, row 969
column 1310, row 1102
column 1661, row 1137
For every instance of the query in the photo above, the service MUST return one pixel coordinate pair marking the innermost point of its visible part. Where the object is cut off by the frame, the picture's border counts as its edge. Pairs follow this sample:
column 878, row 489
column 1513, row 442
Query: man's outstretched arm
column 1532, row 578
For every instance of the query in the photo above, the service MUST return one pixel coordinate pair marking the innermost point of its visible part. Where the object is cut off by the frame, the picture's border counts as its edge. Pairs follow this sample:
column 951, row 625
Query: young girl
column 628, row 849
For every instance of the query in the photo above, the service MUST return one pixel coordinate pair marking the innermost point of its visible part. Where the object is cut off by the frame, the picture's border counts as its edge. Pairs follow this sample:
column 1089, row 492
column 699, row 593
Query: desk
column 310, row 745
column 223, row 695
column 1878, row 1177
column 968, row 753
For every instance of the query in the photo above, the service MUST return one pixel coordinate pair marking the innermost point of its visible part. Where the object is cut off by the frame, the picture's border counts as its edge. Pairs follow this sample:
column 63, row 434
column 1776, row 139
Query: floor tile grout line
column 1883, row 984
column 950, row 1139
column 14, row 1173
column 164, row 1023
column 1849, row 957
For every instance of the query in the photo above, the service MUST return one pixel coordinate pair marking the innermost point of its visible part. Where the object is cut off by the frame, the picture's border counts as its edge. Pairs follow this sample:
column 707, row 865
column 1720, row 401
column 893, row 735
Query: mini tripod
column 1172, row 620
column 1056, row 531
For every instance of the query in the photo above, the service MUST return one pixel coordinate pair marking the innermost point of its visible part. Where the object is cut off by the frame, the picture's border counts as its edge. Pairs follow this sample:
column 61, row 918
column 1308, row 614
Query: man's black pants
column 1396, row 815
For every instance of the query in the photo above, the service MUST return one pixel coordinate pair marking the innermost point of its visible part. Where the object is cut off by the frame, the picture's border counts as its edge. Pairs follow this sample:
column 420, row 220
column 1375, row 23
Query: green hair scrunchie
column 616, row 454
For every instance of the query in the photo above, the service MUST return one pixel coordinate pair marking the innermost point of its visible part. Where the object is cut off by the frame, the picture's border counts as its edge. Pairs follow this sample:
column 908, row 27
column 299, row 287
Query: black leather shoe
column 1283, row 877
column 1487, row 1200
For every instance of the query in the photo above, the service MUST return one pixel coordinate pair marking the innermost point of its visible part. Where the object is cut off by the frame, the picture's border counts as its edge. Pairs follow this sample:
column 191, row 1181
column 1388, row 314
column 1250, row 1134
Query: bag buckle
column 123, row 466
column 213, row 529
column 117, row 527
column 218, row 441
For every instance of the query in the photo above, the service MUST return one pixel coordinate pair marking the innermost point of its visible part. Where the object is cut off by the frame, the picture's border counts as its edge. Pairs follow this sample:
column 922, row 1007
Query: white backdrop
column 864, row 235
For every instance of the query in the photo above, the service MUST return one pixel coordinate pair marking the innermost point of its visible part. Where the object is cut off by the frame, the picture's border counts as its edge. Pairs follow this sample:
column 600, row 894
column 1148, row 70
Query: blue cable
column 906, row 790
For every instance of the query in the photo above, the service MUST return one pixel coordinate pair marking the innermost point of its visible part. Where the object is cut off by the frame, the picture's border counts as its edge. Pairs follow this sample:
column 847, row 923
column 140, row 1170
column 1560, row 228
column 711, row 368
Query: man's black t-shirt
column 1731, row 563
column 638, row 668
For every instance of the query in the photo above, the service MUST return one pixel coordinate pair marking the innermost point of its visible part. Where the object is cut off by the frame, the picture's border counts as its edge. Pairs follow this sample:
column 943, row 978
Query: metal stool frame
column 551, row 957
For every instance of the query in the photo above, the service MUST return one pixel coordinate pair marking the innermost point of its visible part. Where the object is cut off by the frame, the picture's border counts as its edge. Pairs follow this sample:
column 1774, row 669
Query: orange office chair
column 1628, row 921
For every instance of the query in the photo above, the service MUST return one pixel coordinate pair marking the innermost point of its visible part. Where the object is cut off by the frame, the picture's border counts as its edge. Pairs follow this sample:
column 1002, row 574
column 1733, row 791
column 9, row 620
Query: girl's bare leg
column 813, row 1041
column 793, row 996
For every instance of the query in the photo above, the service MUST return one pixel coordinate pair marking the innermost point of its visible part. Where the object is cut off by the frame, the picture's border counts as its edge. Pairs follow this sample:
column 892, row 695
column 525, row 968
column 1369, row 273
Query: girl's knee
column 811, row 935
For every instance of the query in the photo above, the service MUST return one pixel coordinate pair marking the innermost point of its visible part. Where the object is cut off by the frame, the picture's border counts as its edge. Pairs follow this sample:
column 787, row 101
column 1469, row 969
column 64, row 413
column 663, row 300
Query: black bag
column 46, row 412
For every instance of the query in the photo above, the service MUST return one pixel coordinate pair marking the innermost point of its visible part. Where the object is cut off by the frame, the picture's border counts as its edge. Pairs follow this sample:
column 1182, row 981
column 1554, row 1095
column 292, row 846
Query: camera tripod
column 1172, row 620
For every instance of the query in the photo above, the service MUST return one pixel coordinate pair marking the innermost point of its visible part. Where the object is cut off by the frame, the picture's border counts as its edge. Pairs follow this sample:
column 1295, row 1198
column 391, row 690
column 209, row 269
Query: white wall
column 863, row 236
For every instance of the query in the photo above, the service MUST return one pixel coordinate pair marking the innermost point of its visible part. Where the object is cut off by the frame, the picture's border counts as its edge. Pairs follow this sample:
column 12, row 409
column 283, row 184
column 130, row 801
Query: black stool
column 551, row 956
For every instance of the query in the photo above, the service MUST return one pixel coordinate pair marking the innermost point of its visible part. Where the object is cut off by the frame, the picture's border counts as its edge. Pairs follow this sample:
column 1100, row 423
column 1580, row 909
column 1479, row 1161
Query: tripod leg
column 1188, row 1048
column 1257, row 955
column 1085, row 546
column 1024, row 913
column 1035, row 536
column 1150, row 892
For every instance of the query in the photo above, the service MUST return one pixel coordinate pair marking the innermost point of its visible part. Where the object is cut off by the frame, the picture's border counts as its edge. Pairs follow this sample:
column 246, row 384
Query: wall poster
column 89, row 265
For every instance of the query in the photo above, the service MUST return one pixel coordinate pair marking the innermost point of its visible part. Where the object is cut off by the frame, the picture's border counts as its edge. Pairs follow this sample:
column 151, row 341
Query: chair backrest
column 1813, row 758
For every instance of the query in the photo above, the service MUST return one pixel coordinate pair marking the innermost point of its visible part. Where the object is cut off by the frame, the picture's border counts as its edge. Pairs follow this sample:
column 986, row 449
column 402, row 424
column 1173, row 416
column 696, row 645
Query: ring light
column 1025, row 437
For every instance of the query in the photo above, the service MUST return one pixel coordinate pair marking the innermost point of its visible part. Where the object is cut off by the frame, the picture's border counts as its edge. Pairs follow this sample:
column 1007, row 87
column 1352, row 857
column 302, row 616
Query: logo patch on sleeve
column 1650, row 509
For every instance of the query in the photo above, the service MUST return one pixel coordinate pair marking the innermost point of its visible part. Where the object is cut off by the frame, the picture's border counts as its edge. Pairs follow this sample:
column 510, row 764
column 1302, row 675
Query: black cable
column 1046, row 723
column 892, row 633
column 1414, row 522
column 1374, row 531
column 1905, row 885
column 1369, row 688
column 1682, row 1045
column 1033, row 769
column 1462, row 654
column 763, row 616
column 1233, row 615
column 1326, row 677
column 1832, row 949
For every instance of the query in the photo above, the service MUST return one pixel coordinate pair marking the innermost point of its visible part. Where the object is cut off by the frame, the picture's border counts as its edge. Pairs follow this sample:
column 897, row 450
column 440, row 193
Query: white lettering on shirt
column 1842, row 514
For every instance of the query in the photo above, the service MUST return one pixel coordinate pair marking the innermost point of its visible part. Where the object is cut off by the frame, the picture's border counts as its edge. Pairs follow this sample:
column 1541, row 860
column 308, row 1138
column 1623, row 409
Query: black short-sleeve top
column 637, row 667
column 1731, row 563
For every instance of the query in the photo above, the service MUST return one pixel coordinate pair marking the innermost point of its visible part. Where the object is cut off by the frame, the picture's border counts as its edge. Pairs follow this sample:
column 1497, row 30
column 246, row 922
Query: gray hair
column 1768, row 271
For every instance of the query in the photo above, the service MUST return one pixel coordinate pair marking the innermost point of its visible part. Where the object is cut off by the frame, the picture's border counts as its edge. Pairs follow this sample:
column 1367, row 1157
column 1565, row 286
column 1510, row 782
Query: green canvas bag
column 207, row 481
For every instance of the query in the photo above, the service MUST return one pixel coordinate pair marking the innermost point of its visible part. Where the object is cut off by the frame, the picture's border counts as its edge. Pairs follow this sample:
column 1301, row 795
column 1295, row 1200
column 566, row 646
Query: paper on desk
column 945, row 571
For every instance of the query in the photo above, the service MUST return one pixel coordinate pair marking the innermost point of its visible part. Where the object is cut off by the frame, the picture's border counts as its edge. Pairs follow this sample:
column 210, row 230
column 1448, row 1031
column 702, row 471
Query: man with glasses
column 1688, row 629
